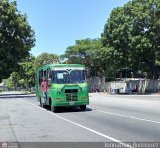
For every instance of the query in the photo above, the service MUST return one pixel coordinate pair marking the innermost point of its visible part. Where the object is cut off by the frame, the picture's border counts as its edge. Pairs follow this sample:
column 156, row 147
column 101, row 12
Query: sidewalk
column 132, row 94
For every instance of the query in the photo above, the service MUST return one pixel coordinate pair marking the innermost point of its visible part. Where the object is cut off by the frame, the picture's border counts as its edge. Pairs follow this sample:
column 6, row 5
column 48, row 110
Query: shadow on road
column 70, row 109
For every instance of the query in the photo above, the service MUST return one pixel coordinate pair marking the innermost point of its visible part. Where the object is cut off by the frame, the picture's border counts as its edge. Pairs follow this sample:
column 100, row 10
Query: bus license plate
column 71, row 103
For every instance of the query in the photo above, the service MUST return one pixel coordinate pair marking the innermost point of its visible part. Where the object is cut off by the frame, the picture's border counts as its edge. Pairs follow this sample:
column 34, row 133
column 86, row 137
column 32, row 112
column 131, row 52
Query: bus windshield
column 68, row 76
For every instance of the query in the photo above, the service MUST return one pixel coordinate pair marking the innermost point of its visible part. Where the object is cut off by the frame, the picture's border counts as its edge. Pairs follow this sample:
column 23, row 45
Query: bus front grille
column 71, row 95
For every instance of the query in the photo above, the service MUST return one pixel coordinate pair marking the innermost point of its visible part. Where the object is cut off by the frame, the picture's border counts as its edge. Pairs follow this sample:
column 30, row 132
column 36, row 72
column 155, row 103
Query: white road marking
column 121, row 115
column 84, row 127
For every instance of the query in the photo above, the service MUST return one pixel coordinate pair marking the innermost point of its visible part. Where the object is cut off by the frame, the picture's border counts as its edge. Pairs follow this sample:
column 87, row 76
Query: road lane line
column 121, row 115
column 84, row 127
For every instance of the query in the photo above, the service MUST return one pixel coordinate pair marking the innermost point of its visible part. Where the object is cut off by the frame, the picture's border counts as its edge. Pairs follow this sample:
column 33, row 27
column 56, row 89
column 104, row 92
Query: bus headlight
column 58, row 99
column 84, row 98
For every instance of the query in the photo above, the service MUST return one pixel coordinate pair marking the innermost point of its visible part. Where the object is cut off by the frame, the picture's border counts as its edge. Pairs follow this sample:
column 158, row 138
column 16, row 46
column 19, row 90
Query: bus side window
column 40, row 76
column 49, row 74
column 45, row 74
column 54, row 78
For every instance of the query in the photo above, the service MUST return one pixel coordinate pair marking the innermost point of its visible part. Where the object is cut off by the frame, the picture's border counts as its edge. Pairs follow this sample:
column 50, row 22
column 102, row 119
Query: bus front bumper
column 70, row 103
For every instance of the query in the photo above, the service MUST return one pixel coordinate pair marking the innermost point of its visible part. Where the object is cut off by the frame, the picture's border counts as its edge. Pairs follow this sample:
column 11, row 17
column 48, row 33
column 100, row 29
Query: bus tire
column 41, row 104
column 83, row 107
column 54, row 109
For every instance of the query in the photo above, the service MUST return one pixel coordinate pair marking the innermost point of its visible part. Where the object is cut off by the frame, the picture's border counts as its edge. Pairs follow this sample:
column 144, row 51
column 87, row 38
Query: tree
column 16, row 37
column 24, row 76
column 87, row 52
column 46, row 58
column 13, row 81
column 133, row 33
column 27, row 72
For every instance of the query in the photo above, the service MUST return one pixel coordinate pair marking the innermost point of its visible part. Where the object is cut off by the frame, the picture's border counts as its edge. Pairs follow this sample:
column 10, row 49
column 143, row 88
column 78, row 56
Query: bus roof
column 60, row 65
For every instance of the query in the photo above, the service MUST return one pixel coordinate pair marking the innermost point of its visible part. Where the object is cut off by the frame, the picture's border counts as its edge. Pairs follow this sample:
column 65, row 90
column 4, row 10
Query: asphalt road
column 108, row 118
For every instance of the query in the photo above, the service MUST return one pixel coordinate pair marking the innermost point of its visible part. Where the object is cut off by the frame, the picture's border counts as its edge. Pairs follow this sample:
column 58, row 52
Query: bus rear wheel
column 83, row 107
column 41, row 104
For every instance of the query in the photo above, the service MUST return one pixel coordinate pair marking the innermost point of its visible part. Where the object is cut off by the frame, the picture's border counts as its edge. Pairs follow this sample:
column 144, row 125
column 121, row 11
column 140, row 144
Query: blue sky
column 58, row 23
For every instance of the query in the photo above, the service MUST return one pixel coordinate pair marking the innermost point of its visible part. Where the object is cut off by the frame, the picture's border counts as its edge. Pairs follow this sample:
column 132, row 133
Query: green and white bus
column 67, row 86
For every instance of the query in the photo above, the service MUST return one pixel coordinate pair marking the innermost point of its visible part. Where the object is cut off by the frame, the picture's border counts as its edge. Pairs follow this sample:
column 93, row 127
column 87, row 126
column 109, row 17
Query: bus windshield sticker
column 60, row 75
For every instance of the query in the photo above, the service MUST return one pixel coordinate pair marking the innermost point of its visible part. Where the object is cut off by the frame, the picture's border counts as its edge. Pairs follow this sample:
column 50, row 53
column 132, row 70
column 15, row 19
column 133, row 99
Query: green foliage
column 16, row 37
column 27, row 72
column 24, row 77
column 46, row 58
column 133, row 34
column 13, row 81
column 8, row 83
column 86, row 52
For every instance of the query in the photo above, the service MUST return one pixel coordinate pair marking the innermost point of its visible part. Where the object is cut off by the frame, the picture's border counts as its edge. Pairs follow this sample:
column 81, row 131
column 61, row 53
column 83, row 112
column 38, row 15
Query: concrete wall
column 124, row 86
column 96, row 84
column 149, row 86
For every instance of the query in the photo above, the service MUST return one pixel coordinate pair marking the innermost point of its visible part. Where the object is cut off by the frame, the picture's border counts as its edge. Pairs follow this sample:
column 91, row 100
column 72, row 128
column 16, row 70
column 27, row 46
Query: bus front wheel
column 83, row 107
column 54, row 109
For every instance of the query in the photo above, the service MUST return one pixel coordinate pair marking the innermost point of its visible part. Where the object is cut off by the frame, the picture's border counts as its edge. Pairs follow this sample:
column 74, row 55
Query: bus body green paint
column 67, row 85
